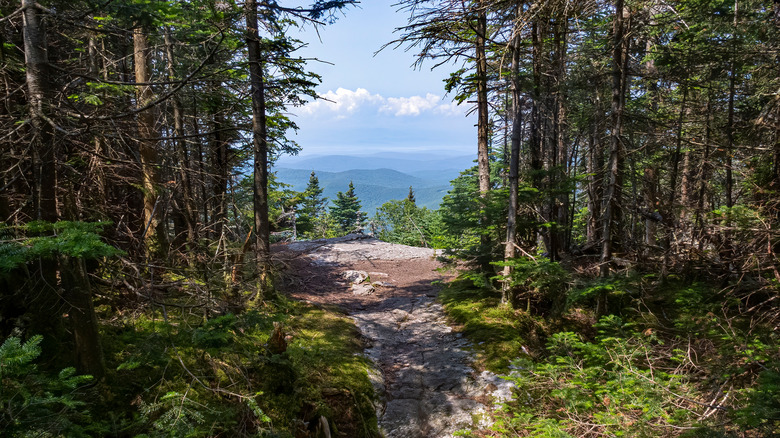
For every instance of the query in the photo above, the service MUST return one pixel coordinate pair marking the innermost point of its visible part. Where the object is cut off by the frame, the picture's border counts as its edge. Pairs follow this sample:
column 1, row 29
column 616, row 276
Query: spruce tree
column 410, row 197
column 313, row 201
column 312, row 207
column 346, row 210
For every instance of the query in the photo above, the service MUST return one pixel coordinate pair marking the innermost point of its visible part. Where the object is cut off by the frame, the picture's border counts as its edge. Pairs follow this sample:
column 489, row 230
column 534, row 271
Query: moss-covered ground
column 191, row 374
column 627, row 356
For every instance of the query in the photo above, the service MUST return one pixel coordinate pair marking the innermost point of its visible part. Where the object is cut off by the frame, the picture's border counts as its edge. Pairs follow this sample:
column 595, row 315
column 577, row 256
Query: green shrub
column 615, row 386
column 536, row 280
column 34, row 403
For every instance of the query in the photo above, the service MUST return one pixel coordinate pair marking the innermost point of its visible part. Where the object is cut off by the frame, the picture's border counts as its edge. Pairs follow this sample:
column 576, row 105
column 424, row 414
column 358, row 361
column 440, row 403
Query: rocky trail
column 423, row 373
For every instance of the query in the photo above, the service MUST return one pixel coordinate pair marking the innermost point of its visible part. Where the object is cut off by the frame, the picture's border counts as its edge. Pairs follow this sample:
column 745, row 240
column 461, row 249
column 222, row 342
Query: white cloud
column 451, row 109
column 410, row 106
column 343, row 103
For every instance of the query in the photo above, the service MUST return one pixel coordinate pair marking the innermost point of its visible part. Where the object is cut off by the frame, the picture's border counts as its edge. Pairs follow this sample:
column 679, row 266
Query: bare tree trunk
column 536, row 116
column 482, row 103
column 483, row 152
column 563, row 227
column 44, row 166
column 78, row 294
column 72, row 275
column 730, row 140
column 260, row 142
column 612, row 198
column 514, row 162
column 704, row 171
column 153, row 231
column 595, row 170
column 187, row 199
column 219, row 169
column 650, row 177
column 673, row 175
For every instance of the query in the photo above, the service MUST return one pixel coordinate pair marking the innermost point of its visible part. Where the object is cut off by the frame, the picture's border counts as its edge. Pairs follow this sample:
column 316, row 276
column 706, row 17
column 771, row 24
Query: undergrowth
column 627, row 356
column 189, row 376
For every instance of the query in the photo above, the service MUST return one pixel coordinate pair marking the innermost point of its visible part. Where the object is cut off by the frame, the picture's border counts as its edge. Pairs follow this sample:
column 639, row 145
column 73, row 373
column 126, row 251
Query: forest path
column 424, row 373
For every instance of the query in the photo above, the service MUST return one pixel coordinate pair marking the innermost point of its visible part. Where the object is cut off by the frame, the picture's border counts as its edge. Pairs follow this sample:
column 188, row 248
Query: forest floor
column 424, row 376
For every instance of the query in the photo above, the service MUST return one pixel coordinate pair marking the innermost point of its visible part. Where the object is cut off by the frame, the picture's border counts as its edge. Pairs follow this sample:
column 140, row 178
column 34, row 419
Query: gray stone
column 355, row 277
column 382, row 284
column 362, row 289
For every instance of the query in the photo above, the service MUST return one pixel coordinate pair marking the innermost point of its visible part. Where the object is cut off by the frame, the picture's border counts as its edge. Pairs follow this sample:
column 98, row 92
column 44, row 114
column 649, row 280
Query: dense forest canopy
column 627, row 157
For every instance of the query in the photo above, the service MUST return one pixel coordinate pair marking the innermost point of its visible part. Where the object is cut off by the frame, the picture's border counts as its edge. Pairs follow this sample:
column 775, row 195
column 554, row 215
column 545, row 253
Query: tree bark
column 483, row 152
column 72, row 274
column 260, row 148
column 219, row 168
column 730, row 139
column 650, row 177
column 153, row 230
column 536, row 117
column 78, row 295
column 563, row 228
column 595, row 170
column 612, row 197
column 514, row 162
column 187, row 198
column 44, row 182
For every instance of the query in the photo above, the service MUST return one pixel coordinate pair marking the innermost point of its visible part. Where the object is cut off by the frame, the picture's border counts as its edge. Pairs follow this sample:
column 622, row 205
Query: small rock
column 382, row 284
column 362, row 289
column 355, row 277
column 378, row 275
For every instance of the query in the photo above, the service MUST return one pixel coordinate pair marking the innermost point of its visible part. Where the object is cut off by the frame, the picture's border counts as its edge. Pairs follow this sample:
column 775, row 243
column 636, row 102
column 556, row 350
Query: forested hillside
column 616, row 240
column 373, row 187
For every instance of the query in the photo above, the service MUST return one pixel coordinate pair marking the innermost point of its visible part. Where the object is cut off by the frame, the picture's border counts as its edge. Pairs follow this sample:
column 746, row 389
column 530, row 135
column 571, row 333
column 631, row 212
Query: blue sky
column 377, row 103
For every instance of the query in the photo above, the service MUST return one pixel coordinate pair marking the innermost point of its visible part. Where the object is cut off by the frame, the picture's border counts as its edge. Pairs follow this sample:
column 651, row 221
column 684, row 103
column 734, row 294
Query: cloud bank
column 343, row 103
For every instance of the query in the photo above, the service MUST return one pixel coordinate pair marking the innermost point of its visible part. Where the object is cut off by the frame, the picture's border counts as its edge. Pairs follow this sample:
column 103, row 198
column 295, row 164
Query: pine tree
column 312, row 207
column 410, row 197
column 313, row 201
column 346, row 210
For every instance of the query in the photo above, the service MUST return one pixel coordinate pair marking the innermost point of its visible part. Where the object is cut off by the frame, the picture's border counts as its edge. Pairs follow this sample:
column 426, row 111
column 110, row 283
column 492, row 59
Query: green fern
column 36, row 403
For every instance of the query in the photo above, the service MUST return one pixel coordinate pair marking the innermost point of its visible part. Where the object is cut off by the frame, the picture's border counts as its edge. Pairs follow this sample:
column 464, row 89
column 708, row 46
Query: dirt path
column 424, row 377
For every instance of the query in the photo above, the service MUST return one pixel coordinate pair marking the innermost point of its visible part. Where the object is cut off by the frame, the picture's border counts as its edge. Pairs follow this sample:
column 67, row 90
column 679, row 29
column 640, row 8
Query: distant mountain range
column 378, row 178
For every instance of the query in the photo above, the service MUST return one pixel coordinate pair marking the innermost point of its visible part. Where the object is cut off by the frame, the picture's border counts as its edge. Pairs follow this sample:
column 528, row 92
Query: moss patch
column 190, row 376
column 498, row 331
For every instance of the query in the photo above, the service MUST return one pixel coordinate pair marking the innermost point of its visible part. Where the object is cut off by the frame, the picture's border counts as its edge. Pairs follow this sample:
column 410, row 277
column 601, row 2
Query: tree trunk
column 612, row 197
column 595, row 170
column 72, row 274
column 153, row 230
column 650, row 177
column 704, row 171
column 78, row 295
column 514, row 162
column 219, row 168
column 730, row 140
column 562, row 203
column 483, row 153
column 669, row 217
column 44, row 182
column 536, row 117
column 260, row 142
column 187, row 198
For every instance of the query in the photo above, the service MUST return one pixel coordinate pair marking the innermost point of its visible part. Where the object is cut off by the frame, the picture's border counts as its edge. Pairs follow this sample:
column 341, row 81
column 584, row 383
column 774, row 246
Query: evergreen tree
column 410, row 198
column 346, row 210
column 313, row 201
column 312, row 207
